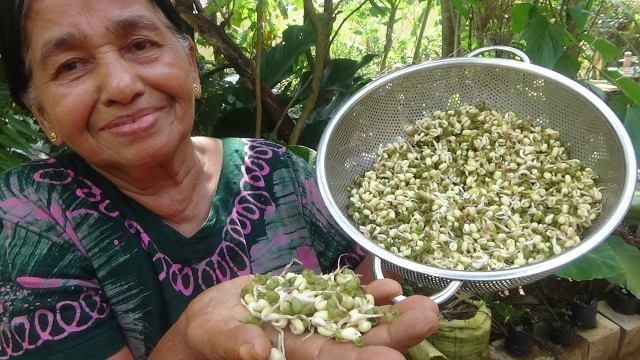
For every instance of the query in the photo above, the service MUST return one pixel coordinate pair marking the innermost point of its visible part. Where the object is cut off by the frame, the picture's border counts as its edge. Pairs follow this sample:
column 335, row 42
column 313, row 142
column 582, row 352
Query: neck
column 179, row 189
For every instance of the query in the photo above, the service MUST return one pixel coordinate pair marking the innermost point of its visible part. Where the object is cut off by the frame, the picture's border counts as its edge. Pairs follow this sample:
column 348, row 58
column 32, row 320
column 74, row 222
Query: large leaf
column 633, row 215
column 579, row 14
column 311, row 134
column 307, row 154
column 608, row 50
column 460, row 6
column 339, row 73
column 599, row 263
column 632, row 124
column 277, row 63
column 567, row 65
column 629, row 87
column 629, row 259
column 545, row 41
column 377, row 10
column 520, row 17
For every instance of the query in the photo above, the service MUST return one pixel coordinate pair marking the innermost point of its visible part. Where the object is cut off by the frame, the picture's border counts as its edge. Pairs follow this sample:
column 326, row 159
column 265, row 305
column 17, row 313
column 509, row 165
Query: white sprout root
column 333, row 305
column 474, row 189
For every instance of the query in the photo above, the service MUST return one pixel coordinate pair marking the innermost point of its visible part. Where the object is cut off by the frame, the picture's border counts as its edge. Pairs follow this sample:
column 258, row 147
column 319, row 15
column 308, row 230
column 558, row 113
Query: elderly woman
column 136, row 243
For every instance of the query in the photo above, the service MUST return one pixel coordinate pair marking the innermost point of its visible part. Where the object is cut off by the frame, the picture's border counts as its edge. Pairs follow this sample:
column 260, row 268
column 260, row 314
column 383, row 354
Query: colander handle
column 521, row 54
column 439, row 297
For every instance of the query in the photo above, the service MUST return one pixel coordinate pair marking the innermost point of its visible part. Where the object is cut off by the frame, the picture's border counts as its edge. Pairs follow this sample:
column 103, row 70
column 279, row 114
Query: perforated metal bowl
column 376, row 115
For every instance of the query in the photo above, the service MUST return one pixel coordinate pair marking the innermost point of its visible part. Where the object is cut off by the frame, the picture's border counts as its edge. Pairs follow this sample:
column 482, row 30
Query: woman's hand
column 387, row 341
column 211, row 328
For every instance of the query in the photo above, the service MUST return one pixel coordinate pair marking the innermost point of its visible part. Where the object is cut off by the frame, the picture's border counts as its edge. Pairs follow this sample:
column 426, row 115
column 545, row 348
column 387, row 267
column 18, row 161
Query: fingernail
column 248, row 352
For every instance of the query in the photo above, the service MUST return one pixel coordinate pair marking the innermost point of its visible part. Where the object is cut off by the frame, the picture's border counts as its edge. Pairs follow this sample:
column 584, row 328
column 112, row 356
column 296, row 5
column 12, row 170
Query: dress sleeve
column 332, row 245
column 51, row 305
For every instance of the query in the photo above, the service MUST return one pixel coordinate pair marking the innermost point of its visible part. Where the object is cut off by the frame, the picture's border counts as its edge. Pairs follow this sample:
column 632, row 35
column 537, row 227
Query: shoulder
column 39, row 175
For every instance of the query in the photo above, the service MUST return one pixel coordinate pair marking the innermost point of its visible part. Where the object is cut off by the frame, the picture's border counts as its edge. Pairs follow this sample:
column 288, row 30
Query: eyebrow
column 120, row 26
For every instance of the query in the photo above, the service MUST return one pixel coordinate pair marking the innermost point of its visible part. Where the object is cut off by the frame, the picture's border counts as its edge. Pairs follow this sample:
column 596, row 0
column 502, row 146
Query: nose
column 120, row 81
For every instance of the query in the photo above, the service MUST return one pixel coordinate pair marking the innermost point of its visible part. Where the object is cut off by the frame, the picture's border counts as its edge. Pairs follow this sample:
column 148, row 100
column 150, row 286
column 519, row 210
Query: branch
column 320, row 27
column 259, row 36
column 216, row 37
column 335, row 34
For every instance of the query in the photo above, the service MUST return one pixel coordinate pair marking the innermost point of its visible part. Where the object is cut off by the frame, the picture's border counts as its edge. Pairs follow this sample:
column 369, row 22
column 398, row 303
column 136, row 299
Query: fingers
column 243, row 342
column 384, row 290
column 318, row 347
column 418, row 319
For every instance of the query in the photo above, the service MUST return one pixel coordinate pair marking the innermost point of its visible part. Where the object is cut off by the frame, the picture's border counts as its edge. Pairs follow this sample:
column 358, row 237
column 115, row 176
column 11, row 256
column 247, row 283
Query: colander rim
column 529, row 270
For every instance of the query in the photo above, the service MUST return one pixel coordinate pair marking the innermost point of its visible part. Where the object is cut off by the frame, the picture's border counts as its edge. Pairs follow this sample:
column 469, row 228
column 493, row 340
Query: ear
column 193, row 64
column 44, row 123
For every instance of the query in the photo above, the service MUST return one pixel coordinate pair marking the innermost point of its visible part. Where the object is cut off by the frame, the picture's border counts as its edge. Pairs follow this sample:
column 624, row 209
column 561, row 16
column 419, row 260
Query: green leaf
column 520, row 17
column 311, row 134
column 599, row 263
column 633, row 215
column 629, row 259
column 580, row 15
column 307, row 154
column 339, row 73
column 632, row 124
column 277, row 63
column 608, row 50
column 460, row 6
column 567, row 65
column 9, row 130
column 545, row 41
column 9, row 142
column 377, row 10
column 626, row 84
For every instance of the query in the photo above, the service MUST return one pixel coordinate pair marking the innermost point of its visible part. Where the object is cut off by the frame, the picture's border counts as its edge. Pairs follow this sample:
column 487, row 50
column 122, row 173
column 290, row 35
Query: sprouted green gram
column 333, row 305
column 473, row 189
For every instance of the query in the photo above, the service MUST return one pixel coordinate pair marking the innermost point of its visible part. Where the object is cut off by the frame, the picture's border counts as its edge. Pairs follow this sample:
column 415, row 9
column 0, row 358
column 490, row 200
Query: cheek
column 69, row 115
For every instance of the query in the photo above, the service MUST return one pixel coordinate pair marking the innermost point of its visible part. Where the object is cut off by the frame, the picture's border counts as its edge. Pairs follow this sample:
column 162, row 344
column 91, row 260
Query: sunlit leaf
column 567, row 65
column 377, row 9
column 277, row 63
column 633, row 215
column 460, row 6
column 579, row 14
column 626, row 84
column 307, row 154
column 545, row 41
column 599, row 263
column 520, row 17
column 629, row 259
column 632, row 124
column 607, row 49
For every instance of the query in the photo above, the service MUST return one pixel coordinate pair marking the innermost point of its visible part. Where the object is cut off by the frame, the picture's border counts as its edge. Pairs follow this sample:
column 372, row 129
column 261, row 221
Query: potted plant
column 584, row 310
column 518, row 326
column 465, row 328
column 562, row 330
column 622, row 300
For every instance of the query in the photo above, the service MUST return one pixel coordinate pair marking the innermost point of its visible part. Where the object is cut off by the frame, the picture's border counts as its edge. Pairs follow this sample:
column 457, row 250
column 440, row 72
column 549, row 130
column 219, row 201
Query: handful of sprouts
column 333, row 305
column 474, row 189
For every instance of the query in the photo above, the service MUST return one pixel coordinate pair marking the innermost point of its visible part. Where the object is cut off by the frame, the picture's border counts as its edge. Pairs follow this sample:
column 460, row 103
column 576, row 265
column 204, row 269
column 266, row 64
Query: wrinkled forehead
column 48, row 20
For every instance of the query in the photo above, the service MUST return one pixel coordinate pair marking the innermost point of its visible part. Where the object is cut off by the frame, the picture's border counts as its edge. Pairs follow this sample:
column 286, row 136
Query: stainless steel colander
column 376, row 115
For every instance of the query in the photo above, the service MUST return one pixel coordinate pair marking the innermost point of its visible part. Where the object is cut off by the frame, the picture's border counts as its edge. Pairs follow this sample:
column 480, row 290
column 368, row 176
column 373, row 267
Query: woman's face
column 111, row 80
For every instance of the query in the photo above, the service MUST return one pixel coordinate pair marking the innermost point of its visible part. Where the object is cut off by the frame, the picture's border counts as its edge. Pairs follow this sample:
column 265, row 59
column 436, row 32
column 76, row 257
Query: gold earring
column 196, row 87
column 53, row 137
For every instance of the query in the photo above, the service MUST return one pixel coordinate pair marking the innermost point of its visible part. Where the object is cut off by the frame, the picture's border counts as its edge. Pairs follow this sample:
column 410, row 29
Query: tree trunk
column 321, row 24
column 216, row 37
column 449, row 31
column 389, row 36
column 417, row 53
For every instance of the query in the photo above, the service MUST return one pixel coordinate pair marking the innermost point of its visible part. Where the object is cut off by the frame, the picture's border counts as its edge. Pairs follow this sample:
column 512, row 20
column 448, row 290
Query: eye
column 141, row 45
column 68, row 66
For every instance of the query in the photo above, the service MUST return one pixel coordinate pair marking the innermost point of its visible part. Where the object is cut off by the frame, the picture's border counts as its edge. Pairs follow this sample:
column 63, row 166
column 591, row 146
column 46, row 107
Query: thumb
column 244, row 342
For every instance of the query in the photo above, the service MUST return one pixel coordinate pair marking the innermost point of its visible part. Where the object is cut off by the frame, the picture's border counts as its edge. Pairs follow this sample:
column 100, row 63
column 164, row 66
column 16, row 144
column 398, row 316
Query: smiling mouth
column 130, row 119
